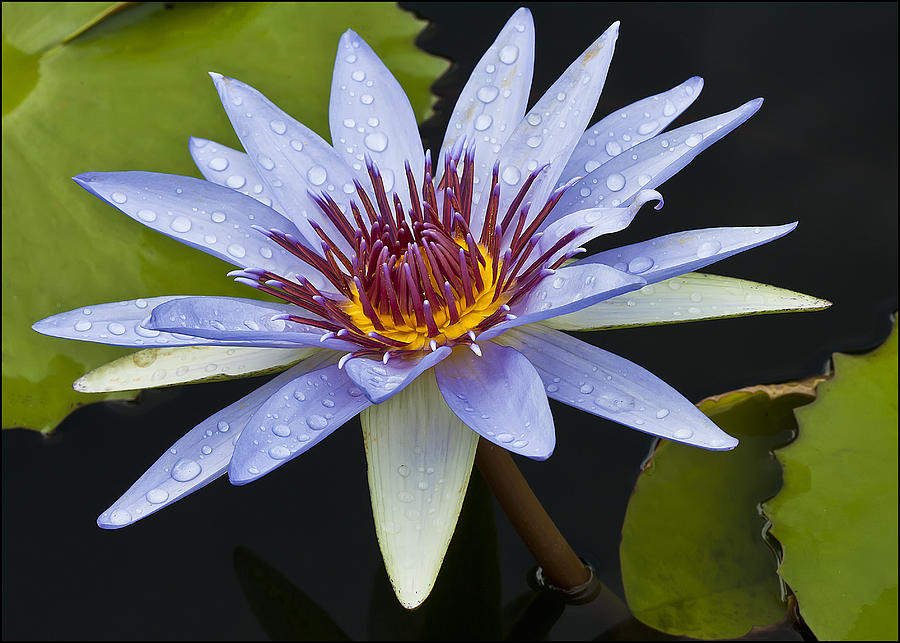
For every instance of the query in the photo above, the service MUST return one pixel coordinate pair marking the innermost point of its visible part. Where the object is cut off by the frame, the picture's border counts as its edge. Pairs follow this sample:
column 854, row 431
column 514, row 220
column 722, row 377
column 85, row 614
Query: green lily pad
column 86, row 89
column 836, row 517
column 694, row 558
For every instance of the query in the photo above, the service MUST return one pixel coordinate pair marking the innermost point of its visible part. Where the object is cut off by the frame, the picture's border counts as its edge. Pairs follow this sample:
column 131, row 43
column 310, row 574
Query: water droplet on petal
column 316, row 422
column 683, row 434
column 613, row 148
column 282, row 430
column 483, row 122
column 615, row 181
column 279, row 452
column 487, row 93
column 640, row 264
column 147, row 215
column 509, row 54
column 511, row 175
column 646, row 128
column 316, row 175
column 266, row 162
column 586, row 388
column 403, row 470
column 660, row 414
column 119, row 517
column 376, row 141
column 119, row 197
column 185, row 469
column 708, row 249
column 116, row 328
column 693, row 140
column 157, row 496
column 83, row 325
column 236, row 250
column 505, row 438
column 181, row 224
column 218, row 164
column 223, row 426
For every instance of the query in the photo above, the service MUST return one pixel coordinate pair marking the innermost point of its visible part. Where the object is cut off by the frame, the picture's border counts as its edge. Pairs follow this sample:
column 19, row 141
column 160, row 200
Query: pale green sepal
column 420, row 456
column 690, row 297
column 167, row 366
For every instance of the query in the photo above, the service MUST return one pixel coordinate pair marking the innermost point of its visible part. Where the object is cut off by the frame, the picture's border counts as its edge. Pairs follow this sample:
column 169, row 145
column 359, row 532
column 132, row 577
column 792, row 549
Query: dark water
column 823, row 150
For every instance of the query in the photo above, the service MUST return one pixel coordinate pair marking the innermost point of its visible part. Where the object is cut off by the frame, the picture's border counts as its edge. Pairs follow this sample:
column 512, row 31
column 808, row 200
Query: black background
column 822, row 150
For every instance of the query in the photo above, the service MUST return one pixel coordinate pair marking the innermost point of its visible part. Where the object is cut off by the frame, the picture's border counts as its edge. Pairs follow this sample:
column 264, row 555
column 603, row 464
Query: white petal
column 222, row 165
column 493, row 102
column 155, row 367
column 420, row 456
column 690, row 297
column 370, row 114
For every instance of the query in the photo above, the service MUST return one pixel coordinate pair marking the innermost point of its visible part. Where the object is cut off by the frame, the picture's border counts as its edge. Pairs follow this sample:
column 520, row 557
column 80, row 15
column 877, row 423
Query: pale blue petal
column 225, row 166
column 299, row 415
column 648, row 165
column 369, row 113
column 565, row 291
column 681, row 252
column 595, row 222
column 607, row 385
column 380, row 381
column 493, row 103
column 550, row 130
column 291, row 159
column 499, row 396
column 629, row 126
column 198, row 458
column 202, row 215
column 247, row 321
column 121, row 323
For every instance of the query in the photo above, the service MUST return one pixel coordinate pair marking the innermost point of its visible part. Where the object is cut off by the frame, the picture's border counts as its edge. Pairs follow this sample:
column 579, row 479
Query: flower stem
column 558, row 561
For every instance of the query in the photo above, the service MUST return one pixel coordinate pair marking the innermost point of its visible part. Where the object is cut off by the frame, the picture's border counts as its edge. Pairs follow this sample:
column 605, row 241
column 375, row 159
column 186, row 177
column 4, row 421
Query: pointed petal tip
column 216, row 76
column 238, row 479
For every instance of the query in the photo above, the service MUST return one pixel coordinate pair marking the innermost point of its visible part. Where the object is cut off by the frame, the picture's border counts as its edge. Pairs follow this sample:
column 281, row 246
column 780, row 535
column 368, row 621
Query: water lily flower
column 425, row 294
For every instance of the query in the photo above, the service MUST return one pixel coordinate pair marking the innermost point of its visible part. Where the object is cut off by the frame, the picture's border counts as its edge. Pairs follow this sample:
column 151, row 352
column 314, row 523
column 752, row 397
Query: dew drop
column 359, row 75
column 354, row 392
column 693, row 140
column 116, row 328
column 487, row 93
column 591, row 165
column 534, row 141
column 660, row 414
column 185, row 469
column 223, row 426
column 648, row 127
column 217, row 217
column 147, row 215
column 119, row 517
column 279, row 452
column 327, row 403
column 708, row 249
column 403, row 470
column 505, row 438
column 181, row 224
column 376, row 141
column 297, row 145
column 316, row 175
column 534, row 119
column 218, row 164
column 119, row 197
column 266, row 162
column 552, row 388
column 586, row 388
column 509, row 54
column 640, row 264
column 613, row 148
column 157, row 496
column 316, row 422
column 615, row 403
column 282, row 430
column 683, row 434
column 615, row 181
column 299, row 396
column 511, row 175
column 236, row 250
column 483, row 122
column 235, row 181
column 669, row 108
column 83, row 326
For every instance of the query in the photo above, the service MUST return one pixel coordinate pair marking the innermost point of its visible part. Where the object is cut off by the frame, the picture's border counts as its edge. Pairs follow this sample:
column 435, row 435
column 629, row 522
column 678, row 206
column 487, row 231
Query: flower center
column 406, row 281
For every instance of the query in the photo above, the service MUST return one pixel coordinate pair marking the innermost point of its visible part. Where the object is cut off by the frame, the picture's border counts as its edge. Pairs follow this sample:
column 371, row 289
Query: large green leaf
column 125, row 94
column 836, row 516
column 694, row 558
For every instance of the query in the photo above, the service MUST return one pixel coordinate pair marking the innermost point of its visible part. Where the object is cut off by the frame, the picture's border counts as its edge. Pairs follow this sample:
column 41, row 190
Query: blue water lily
column 425, row 294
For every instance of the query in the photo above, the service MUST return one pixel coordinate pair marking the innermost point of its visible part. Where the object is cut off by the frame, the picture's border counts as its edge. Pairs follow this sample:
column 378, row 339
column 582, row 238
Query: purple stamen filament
column 416, row 279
